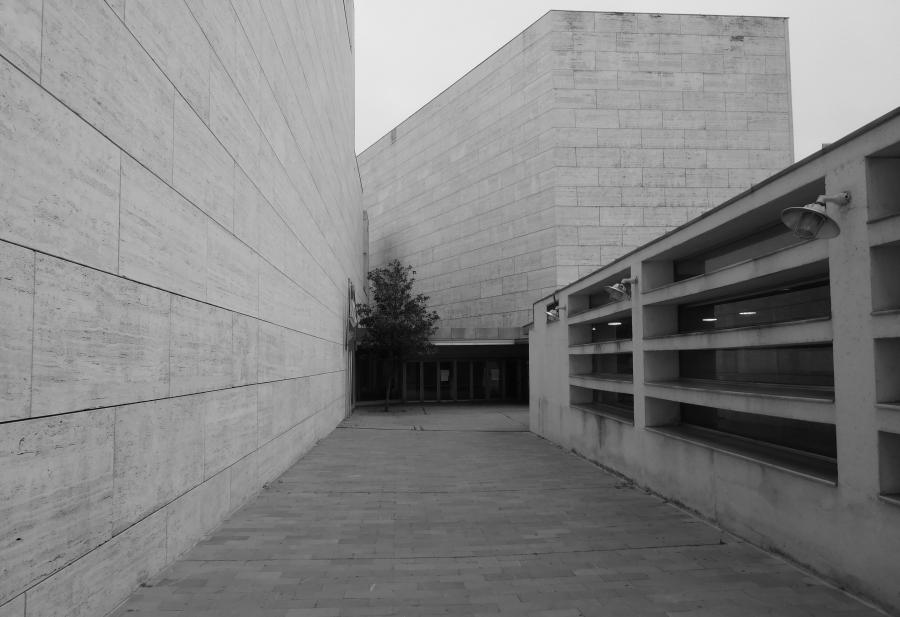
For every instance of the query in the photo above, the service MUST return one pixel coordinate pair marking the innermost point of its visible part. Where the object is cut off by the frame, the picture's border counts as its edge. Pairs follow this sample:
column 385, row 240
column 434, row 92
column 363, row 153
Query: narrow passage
column 462, row 511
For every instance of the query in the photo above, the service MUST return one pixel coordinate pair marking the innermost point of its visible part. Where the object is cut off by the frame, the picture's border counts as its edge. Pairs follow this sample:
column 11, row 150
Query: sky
column 845, row 64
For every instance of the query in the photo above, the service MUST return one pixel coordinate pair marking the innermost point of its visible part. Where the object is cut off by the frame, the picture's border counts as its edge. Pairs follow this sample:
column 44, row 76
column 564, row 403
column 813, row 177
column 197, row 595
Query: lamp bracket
column 841, row 199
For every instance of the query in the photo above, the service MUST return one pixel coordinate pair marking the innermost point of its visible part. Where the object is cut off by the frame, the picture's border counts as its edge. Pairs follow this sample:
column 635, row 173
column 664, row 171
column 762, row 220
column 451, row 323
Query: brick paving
column 460, row 511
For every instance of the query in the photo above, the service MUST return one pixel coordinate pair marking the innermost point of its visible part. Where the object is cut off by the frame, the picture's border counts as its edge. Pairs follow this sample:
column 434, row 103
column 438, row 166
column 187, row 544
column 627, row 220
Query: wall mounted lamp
column 619, row 291
column 812, row 221
column 552, row 310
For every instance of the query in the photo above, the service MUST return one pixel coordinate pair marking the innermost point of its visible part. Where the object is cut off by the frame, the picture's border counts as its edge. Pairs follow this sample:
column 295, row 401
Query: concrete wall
column 844, row 525
column 581, row 139
column 179, row 219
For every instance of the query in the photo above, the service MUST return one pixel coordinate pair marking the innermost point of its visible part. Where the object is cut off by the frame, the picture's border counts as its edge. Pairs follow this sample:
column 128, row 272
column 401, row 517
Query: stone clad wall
column 581, row 139
column 179, row 220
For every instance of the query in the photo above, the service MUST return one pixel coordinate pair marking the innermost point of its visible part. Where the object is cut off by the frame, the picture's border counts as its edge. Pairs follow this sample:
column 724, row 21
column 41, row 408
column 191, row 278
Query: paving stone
column 459, row 510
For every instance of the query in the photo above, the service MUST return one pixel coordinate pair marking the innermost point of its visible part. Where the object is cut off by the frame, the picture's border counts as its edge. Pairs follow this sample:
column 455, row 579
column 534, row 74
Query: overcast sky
column 845, row 56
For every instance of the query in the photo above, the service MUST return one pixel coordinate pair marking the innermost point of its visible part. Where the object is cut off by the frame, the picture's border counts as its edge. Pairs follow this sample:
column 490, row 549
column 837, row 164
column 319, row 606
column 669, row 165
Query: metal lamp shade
column 810, row 222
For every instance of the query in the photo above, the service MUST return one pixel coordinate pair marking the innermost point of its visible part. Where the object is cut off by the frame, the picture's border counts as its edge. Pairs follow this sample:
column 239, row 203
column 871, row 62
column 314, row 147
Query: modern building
column 180, row 223
column 581, row 139
column 751, row 375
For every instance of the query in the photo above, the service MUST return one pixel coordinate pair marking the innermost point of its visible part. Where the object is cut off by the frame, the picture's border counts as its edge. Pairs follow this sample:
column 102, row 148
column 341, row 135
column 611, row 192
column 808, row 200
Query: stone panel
column 14, row 608
column 245, row 349
column 158, row 456
column 163, row 236
column 229, row 427
column 94, row 65
column 203, row 172
column 97, row 583
column 99, row 340
column 60, row 192
column 196, row 513
column 232, row 271
column 56, row 497
column 168, row 32
column 20, row 35
column 201, row 349
column 16, row 327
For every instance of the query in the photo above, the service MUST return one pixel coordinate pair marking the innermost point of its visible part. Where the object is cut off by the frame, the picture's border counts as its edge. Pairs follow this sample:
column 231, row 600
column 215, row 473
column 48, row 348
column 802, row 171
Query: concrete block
column 706, row 177
column 680, row 44
column 99, row 581
column 602, row 236
column 56, row 498
column 594, row 41
column 575, row 99
column 572, row 20
column 640, row 118
column 200, row 356
column 98, row 340
column 599, row 196
column 726, row 120
column 158, row 456
column 643, row 197
column 623, row 216
column 703, row 63
column 748, row 140
column 615, row 22
column 676, row 119
column 654, row 22
column 638, row 80
column 619, row 138
column 162, row 236
column 642, row 157
column 712, row 101
column 167, row 31
column 574, row 60
column 61, row 187
column 686, row 82
column 727, row 159
column 195, row 514
column 744, row 64
column 768, row 121
column 618, row 99
column 776, row 83
column 662, row 138
column 232, row 278
column 724, row 82
column 219, row 24
column 662, row 100
column 203, row 172
column 778, row 102
column 745, row 178
column 663, row 177
column 598, row 157
column 576, row 176
column 776, row 64
column 701, row 139
column 20, row 35
column 639, row 236
column 746, row 102
column 652, row 61
column 617, row 61
column 666, row 216
column 281, row 353
column 96, row 67
column 589, row 255
column 765, row 46
column 684, row 158
column 575, row 137
column 628, row 176
column 637, row 41
column 577, row 215
column 686, row 198
column 229, row 427
column 16, row 328
column 595, row 80
column 597, row 118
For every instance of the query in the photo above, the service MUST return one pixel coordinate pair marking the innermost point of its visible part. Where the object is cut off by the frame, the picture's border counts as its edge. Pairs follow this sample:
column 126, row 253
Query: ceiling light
column 812, row 220
column 614, row 323
column 747, row 313
column 709, row 319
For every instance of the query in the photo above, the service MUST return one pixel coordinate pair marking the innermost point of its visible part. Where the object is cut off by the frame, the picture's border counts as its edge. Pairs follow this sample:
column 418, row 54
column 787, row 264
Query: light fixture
column 709, row 319
column 614, row 323
column 812, row 220
column 619, row 291
column 552, row 310
column 747, row 313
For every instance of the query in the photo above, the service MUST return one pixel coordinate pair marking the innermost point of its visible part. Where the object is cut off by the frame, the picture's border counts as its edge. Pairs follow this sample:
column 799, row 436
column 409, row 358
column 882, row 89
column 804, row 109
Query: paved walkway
column 461, row 511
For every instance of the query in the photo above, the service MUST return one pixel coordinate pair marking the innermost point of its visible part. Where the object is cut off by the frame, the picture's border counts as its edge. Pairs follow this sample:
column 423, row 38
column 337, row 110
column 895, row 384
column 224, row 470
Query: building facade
column 752, row 376
column 180, row 221
column 581, row 139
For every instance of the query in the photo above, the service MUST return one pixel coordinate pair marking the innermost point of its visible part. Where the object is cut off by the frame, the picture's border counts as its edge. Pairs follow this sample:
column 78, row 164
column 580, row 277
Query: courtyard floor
column 461, row 511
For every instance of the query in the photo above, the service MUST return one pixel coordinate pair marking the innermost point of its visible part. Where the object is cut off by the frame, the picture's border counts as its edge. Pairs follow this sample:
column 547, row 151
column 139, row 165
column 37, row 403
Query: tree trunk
column 389, row 382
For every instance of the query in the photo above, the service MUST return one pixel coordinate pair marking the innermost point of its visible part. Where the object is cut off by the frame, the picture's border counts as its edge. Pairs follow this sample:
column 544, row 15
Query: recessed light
column 747, row 313
column 594, row 328
column 709, row 319
column 614, row 323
